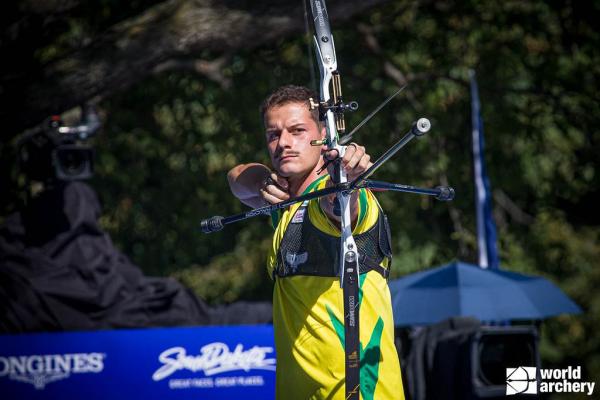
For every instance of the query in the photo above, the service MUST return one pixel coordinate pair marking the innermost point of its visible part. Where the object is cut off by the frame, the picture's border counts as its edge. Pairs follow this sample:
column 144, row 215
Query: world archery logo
column 521, row 380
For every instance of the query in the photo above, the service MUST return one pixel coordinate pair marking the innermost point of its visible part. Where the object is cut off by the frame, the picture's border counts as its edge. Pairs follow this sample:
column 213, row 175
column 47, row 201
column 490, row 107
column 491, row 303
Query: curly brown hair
column 290, row 94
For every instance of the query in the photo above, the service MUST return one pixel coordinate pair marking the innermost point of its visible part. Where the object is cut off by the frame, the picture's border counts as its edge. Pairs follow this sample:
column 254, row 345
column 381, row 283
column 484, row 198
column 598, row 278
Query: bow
column 331, row 110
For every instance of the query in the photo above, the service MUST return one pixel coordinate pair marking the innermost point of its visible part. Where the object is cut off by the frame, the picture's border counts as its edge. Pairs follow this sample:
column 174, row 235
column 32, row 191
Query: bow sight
column 335, row 104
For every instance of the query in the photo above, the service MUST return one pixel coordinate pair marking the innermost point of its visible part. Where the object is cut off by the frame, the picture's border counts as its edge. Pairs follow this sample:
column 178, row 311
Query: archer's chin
column 285, row 173
column 286, row 169
column 293, row 174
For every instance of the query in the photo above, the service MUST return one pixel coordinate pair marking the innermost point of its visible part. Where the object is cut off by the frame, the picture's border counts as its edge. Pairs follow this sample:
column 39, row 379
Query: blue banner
column 168, row 363
column 486, row 228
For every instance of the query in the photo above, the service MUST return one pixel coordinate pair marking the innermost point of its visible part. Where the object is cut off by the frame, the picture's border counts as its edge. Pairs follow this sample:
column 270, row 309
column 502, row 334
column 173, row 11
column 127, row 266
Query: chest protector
column 305, row 250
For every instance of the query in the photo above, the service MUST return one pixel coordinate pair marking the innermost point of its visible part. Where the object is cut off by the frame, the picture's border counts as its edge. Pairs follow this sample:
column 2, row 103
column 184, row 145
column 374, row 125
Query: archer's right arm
column 249, row 183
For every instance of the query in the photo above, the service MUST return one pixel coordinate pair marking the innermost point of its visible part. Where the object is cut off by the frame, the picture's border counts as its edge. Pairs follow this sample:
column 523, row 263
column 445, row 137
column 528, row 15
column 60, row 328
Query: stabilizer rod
column 419, row 128
column 442, row 193
column 216, row 223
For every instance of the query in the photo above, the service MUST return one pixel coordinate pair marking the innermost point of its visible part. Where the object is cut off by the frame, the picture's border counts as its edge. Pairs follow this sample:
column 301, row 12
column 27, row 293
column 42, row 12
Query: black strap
column 305, row 250
column 351, row 330
column 367, row 264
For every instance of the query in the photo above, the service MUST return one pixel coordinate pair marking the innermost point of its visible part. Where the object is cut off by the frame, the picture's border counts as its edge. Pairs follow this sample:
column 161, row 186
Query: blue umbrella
column 461, row 289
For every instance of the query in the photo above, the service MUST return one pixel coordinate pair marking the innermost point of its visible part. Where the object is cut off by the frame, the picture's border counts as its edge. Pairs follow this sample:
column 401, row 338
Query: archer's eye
column 272, row 135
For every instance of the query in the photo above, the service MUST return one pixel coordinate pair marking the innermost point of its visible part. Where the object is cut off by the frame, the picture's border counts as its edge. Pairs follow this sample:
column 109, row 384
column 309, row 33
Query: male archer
column 308, row 306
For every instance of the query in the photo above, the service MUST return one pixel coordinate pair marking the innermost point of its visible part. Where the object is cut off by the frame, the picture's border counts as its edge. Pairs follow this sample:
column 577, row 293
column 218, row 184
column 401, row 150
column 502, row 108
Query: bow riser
column 331, row 110
column 325, row 51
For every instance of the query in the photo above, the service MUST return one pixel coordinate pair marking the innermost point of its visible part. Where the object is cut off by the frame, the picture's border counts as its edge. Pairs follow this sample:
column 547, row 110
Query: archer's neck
column 299, row 184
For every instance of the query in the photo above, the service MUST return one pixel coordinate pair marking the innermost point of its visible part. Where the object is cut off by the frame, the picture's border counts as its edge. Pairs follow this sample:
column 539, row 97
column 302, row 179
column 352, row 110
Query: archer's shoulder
column 368, row 210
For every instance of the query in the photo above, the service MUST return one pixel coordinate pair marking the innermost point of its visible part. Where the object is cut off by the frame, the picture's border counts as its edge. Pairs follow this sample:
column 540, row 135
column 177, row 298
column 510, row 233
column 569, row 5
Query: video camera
column 54, row 151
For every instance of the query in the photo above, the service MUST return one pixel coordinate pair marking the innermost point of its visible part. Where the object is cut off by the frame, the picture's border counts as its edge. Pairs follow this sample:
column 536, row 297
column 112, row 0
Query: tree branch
column 515, row 212
column 212, row 70
column 388, row 67
column 135, row 48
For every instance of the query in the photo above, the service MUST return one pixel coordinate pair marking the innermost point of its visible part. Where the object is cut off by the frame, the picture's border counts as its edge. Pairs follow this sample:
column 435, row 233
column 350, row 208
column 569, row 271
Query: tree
column 84, row 55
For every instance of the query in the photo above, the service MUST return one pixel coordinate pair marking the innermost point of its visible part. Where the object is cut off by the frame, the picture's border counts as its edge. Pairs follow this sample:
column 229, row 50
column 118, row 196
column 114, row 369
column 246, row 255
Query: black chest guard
column 305, row 250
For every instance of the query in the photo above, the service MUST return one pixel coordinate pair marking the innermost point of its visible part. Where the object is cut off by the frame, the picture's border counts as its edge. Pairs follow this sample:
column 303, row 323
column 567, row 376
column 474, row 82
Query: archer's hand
column 274, row 189
column 355, row 161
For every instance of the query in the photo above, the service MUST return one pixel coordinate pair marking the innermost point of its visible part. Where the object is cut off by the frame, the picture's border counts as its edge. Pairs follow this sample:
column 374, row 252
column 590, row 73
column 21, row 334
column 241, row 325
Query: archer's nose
column 285, row 139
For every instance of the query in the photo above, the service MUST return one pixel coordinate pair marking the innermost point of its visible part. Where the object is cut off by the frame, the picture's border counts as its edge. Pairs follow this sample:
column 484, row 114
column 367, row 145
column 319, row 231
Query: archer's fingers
column 274, row 198
column 353, row 155
column 362, row 167
column 358, row 166
column 275, row 189
column 364, row 163
column 280, row 181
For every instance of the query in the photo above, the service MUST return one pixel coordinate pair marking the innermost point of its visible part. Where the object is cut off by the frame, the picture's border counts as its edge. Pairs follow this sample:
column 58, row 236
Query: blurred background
column 178, row 84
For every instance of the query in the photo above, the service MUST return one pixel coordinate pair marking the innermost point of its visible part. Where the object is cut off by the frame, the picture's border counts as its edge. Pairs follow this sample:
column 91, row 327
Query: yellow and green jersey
column 309, row 321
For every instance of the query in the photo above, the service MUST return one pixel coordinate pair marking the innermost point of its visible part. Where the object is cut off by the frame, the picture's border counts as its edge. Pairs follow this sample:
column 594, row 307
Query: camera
column 55, row 151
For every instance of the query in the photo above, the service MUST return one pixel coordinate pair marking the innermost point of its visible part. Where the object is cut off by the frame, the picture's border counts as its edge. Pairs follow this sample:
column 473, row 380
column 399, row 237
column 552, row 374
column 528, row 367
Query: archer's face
column 289, row 130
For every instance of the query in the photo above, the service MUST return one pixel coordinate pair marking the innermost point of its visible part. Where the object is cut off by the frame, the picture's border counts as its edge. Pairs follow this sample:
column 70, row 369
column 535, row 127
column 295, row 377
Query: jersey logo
column 295, row 259
column 299, row 216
